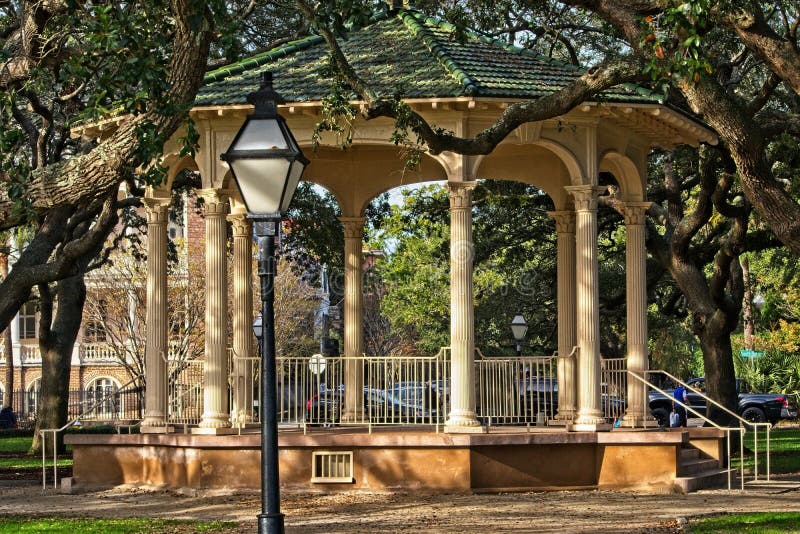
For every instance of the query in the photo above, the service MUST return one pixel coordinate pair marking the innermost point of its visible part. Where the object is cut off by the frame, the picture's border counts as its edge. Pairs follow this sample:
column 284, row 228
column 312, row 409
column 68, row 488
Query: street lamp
column 266, row 164
column 519, row 327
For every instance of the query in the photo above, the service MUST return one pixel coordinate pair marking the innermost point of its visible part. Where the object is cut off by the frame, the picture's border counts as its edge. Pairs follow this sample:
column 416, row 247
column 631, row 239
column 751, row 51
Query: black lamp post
column 267, row 164
column 519, row 327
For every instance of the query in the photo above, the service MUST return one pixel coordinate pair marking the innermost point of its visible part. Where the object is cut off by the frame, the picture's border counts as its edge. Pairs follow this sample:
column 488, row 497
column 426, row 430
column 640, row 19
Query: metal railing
column 185, row 392
column 516, row 390
column 728, row 430
column 613, row 387
column 43, row 432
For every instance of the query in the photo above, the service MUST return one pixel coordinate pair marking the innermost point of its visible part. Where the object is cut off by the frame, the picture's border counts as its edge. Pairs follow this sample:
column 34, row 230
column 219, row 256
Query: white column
column 242, row 318
column 565, row 230
column 636, row 294
column 590, row 414
column 215, row 387
column 462, row 415
column 353, row 318
column 156, row 350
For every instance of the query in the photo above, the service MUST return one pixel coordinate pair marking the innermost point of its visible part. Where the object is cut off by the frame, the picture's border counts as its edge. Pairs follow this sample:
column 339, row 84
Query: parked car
column 753, row 407
column 403, row 402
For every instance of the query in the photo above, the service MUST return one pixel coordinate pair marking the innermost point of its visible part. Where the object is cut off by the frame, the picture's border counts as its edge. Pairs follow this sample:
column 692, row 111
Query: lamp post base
column 270, row 524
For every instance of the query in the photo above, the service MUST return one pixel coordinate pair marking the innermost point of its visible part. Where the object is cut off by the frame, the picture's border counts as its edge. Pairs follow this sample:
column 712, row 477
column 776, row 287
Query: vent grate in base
column 329, row 467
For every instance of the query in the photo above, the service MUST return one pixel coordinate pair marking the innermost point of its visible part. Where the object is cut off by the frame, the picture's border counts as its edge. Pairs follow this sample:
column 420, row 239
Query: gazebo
column 461, row 85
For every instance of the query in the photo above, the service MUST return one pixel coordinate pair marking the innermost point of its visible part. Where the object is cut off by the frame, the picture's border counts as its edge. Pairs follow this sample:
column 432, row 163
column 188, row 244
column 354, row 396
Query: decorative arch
column 32, row 393
column 357, row 175
column 630, row 181
column 103, row 398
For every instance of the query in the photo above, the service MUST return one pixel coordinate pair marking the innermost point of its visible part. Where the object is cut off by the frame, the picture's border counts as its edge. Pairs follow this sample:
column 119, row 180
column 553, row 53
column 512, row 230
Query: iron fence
column 91, row 405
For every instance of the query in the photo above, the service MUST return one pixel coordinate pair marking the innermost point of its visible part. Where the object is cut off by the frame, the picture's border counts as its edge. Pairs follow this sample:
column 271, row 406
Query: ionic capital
column 565, row 221
column 353, row 227
column 215, row 201
column 460, row 194
column 157, row 210
column 241, row 225
column 636, row 212
column 586, row 196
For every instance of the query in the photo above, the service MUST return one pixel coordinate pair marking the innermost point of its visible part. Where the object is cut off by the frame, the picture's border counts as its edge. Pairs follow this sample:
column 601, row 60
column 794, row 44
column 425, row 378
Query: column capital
column 353, row 227
column 241, row 225
column 461, row 194
column 157, row 210
column 215, row 201
column 565, row 221
column 635, row 212
column 585, row 196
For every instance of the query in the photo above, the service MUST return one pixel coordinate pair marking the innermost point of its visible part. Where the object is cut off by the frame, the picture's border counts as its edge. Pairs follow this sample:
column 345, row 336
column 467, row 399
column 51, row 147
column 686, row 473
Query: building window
column 95, row 331
column 103, row 399
column 32, row 397
column 27, row 321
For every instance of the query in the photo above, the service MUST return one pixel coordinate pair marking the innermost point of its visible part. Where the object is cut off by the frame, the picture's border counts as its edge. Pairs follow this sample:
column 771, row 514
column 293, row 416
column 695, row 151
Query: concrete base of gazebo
column 393, row 459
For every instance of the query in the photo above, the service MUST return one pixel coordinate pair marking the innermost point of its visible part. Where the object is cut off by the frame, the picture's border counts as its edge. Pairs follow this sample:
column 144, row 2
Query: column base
column 217, row 431
column 636, row 420
column 463, row 421
column 153, row 421
column 215, row 420
column 590, row 422
column 353, row 418
column 589, row 427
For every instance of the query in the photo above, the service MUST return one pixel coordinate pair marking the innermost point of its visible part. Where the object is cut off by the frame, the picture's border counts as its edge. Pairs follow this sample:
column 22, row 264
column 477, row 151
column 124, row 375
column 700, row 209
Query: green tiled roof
column 405, row 53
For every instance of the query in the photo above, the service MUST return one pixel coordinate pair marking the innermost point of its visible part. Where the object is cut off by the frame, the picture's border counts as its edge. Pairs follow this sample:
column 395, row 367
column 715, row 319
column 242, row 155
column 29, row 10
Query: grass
column 28, row 461
column 784, row 451
column 755, row 523
column 110, row 526
column 18, row 446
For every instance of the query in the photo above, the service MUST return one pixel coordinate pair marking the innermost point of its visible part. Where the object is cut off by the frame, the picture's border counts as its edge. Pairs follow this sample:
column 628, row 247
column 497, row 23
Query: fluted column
column 590, row 414
column 565, row 230
column 156, row 348
column 353, row 318
column 462, row 320
column 242, row 317
column 636, row 293
column 215, row 387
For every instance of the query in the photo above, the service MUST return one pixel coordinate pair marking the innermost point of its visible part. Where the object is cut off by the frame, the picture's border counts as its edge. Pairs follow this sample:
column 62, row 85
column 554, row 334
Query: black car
column 753, row 407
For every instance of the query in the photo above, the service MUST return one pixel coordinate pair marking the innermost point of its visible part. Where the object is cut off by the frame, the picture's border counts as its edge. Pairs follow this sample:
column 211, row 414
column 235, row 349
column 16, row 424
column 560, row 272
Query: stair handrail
column 55, row 431
column 743, row 423
column 727, row 430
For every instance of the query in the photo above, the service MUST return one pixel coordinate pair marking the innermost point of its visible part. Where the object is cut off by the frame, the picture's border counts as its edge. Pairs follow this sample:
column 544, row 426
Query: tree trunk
column 715, row 339
column 8, row 398
column 56, row 344
column 747, row 307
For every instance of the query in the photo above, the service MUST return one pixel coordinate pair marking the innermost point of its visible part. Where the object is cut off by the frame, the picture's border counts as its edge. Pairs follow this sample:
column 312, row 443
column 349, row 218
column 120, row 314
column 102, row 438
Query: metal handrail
column 743, row 423
column 727, row 430
column 55, row 431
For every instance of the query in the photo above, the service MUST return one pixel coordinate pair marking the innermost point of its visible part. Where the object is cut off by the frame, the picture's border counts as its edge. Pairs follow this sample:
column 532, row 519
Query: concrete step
column 713, row 478
column 698, row 465
column 690, row 453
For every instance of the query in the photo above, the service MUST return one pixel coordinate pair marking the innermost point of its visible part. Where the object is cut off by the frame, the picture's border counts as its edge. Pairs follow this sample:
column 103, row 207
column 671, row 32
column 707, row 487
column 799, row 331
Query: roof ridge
column 284, row 50
column 258, row 60
column 638, row 89
column 417, row 27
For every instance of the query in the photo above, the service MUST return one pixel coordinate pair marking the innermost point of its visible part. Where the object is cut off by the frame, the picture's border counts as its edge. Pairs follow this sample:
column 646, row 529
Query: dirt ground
column 565, row 511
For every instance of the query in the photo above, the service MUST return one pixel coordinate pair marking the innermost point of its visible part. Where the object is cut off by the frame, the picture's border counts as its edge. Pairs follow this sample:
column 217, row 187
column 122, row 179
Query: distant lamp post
column 258, row 330
column 266, row 164
column 519, row 327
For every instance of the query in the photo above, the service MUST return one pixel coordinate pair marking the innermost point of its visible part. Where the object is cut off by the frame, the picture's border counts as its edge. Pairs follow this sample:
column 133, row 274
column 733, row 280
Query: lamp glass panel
column 261, row 183
column 519, row 327
column 294, row 178
column 261, row 134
